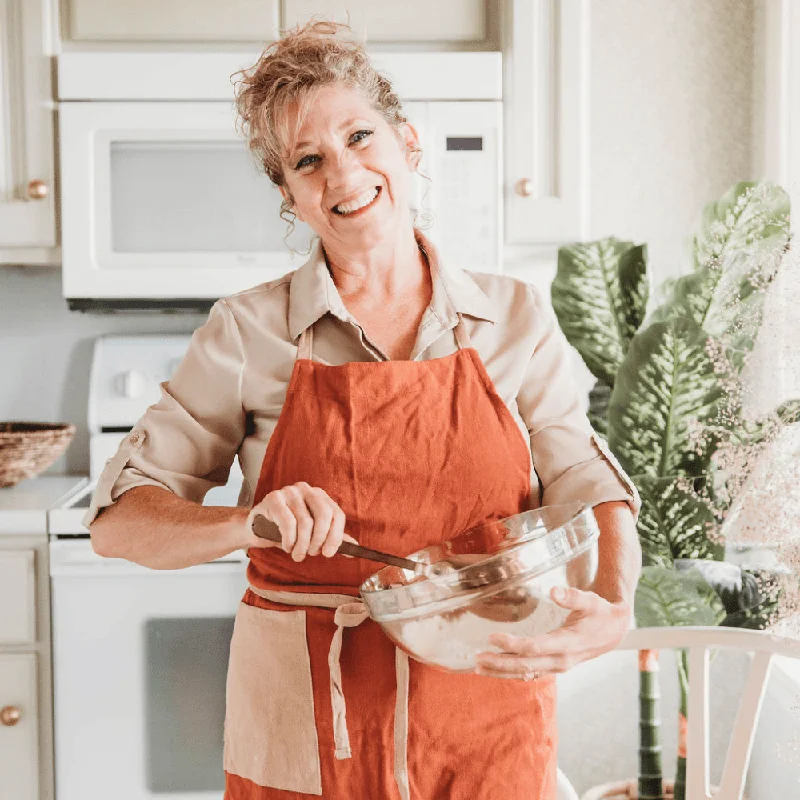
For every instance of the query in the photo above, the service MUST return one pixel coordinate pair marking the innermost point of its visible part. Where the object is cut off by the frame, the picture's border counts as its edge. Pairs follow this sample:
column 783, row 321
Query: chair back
column 698, row 641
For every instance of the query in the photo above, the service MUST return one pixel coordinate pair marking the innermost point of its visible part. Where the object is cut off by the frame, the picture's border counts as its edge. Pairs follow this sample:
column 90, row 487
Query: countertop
column 24, row 507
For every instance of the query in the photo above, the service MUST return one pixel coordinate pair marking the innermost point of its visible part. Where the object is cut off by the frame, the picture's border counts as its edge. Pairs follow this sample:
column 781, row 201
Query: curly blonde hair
column 288, row 71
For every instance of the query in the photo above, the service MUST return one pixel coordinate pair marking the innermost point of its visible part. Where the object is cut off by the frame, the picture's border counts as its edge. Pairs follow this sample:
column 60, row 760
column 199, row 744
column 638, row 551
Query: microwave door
column 164, row 200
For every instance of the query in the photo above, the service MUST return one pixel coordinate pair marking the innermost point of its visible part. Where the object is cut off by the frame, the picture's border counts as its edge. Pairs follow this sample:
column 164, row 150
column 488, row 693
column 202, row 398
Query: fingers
column 310, row 522
column 516, row 665
column 304, row 523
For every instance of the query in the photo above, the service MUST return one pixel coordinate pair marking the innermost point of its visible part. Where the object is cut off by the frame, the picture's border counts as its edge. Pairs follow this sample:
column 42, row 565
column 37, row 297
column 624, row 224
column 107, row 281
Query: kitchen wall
column 671, row 129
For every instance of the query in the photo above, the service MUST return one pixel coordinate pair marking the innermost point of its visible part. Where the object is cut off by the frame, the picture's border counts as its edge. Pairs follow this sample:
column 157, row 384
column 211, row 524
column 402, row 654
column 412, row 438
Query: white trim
column 206, row 76
column 777, row 153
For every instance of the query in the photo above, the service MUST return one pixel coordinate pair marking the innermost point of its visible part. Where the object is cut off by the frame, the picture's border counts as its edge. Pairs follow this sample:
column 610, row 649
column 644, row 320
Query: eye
column 366, row 133
column 356, row 138
column 304, row 162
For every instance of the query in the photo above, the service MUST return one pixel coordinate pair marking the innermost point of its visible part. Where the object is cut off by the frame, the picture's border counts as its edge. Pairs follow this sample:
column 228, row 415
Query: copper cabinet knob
column 38, row 190
column 524, row 187
column 10, row 715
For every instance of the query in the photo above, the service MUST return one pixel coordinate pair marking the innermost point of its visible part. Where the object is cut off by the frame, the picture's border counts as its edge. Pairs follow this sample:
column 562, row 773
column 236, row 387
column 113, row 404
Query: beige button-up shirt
column 225, row 397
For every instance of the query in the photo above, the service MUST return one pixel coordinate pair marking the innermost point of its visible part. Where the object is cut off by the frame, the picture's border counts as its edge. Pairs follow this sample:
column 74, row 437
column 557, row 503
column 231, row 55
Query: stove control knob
column 131, row 384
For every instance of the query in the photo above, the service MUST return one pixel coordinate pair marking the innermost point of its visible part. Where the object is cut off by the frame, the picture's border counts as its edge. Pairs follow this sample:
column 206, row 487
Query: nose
column 342, row 171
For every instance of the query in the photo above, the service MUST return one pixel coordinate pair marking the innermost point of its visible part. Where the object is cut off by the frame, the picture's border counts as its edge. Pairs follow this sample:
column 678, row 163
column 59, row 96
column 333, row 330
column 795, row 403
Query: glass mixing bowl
column 495, row 578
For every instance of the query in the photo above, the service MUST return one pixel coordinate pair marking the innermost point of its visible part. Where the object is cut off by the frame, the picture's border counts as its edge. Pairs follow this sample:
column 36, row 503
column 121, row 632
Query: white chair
column 564, row 789
column 698, row 641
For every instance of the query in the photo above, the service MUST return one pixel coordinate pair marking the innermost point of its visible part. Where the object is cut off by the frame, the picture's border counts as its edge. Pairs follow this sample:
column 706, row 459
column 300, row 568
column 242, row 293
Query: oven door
column 140, row 659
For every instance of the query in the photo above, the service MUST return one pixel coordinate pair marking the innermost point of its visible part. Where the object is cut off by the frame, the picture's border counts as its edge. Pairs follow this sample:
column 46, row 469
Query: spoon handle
column 267, row 529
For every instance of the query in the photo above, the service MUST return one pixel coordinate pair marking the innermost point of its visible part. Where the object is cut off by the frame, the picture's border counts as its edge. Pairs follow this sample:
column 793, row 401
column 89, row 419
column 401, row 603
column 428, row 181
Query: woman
column 373, row 392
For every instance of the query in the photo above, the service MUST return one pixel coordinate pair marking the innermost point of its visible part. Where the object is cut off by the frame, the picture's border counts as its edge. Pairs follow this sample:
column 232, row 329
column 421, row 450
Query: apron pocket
column 270, row 731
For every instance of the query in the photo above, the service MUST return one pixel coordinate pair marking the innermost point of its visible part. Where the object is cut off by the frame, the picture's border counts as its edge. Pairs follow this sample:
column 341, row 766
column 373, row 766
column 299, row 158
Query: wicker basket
column 28, row 448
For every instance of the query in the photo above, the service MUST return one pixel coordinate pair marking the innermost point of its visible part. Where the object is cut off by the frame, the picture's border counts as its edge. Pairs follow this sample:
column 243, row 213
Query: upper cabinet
column 409, row 21
column 546, row 94
column 27, row 190
column 461, row 22
column 175, row 21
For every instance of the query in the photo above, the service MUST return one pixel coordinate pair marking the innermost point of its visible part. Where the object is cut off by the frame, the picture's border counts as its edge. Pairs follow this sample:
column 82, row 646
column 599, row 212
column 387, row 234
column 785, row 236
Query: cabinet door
column 17, row 599
column 175, row 21
column 547, row 106
column 389, row 21
column 27, row 218
column 19, row 751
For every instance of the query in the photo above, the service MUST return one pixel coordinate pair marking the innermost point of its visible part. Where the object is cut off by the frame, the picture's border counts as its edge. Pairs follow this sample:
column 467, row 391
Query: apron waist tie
column 349, row 613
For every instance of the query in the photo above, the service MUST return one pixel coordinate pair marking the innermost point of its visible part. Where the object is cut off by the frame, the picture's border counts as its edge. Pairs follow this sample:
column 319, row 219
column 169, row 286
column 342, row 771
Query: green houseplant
column 666, row 400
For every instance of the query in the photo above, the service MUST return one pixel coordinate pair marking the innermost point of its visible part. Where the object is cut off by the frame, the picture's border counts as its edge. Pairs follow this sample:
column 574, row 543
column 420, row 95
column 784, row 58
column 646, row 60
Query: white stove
column 139, row 655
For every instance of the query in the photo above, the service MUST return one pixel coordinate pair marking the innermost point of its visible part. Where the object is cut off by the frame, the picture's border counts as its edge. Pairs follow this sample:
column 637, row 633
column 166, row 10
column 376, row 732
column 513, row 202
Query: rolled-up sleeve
column 572, row 461
column 187, row 441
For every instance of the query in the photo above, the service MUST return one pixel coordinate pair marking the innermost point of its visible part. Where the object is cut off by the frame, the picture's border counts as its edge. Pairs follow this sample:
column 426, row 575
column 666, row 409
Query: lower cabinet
column 19, row 728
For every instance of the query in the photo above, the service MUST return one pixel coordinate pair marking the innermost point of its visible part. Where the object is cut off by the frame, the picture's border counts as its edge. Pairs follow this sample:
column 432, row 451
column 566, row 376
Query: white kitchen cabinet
column 26, row 707
column 27, row 191
column 467, row 22
column 175, row 21
column 17, row 599
column 546, row 93
column 409, row 21
column 19, row 727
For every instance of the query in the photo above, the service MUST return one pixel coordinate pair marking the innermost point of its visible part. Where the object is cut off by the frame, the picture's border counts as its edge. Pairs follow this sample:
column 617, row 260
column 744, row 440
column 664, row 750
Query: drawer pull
column 10, row 715
column 38, row 190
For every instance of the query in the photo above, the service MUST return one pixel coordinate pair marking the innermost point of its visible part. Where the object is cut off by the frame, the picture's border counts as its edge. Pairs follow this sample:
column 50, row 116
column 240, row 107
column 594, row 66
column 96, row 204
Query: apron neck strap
column 306, row 343
column 462, row 337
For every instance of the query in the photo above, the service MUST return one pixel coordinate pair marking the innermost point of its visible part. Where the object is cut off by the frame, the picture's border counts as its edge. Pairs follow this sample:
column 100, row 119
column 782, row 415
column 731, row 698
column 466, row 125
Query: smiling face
column 347, row 170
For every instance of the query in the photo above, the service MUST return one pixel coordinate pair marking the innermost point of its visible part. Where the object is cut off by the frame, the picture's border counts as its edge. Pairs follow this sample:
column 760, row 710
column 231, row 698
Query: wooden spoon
column 267, row 529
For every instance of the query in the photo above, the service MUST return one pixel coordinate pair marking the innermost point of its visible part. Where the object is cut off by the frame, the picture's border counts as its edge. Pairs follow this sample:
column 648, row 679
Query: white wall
column 671, row 101
column 46, row 350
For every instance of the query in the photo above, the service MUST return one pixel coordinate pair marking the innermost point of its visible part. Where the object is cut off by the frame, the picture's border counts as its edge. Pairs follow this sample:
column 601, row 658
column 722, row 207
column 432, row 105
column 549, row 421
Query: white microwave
column 162, row 205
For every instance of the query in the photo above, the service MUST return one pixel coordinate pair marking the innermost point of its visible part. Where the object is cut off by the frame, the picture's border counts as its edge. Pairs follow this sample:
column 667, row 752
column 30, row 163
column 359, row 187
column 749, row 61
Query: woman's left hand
column 594, row 627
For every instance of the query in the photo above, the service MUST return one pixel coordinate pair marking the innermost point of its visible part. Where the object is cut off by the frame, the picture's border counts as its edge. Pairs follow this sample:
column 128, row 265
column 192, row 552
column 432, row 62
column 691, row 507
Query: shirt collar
column 312, row 292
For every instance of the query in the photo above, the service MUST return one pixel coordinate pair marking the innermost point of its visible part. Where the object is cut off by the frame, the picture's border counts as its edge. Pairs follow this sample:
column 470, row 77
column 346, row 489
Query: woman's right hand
column 310, row 522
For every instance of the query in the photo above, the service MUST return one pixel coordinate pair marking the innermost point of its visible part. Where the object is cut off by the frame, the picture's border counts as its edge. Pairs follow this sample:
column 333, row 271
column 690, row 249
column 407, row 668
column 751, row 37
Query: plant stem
column 650, row 766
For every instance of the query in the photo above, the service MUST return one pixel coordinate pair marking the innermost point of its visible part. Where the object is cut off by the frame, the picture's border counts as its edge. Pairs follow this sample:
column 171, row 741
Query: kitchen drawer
column 17, row 597
column 19, row 735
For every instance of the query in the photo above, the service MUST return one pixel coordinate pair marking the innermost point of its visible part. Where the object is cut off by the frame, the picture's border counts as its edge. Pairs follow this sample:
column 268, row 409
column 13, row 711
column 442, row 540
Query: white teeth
column 364, row 200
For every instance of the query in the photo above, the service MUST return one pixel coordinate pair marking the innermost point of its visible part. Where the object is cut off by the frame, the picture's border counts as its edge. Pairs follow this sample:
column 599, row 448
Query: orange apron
column 319, row 704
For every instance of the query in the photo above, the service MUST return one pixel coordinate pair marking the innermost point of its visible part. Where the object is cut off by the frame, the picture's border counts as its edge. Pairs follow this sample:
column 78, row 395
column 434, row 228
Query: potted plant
column 668, row 401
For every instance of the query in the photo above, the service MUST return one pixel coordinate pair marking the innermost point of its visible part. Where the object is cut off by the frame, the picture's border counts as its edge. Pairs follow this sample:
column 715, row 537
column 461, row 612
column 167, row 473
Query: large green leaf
column 599, row 296
column 599, row 398
column 747, row 218
column 674, row 523
column 737, row 254
column 666, row 385
column 667, row 598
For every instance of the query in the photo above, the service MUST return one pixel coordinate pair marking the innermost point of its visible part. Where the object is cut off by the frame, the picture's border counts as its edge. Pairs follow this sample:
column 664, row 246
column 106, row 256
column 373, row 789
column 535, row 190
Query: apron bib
column 319, row 700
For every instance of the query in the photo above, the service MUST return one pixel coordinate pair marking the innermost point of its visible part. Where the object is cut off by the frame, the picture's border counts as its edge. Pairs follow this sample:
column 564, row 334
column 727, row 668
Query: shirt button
column 135, row 437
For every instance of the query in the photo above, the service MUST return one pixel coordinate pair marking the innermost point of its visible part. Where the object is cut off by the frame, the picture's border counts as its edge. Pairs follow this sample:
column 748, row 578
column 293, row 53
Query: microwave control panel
column 461, row 143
